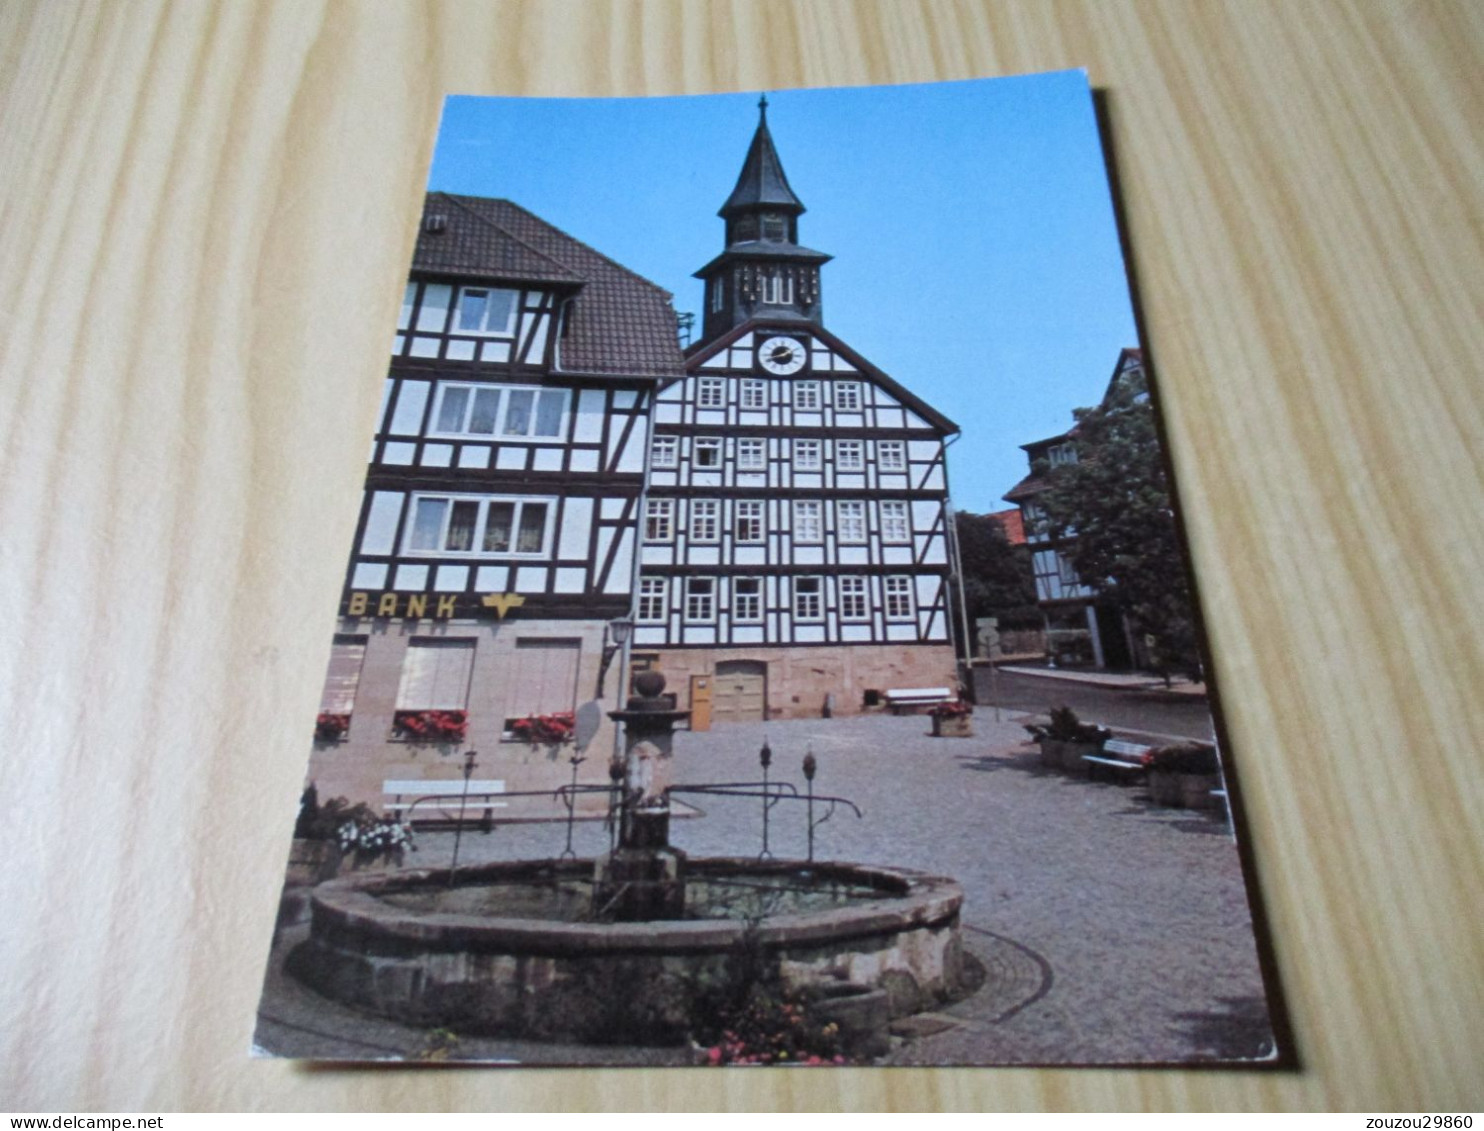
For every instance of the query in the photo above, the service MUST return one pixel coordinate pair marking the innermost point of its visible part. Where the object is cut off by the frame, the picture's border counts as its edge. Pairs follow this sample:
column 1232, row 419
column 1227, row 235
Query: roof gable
column 620, row 323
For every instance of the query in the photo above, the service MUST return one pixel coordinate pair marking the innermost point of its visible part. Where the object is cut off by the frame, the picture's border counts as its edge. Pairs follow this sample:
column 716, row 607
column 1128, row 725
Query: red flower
column 437, row 726
column 328, row 727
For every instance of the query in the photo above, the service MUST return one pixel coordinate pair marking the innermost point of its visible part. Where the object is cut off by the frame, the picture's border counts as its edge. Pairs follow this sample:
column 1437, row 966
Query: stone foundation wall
column 801, row 677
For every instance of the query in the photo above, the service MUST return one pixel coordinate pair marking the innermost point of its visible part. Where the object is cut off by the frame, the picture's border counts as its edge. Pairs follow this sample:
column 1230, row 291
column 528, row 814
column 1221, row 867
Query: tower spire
column 762, row 272
column 762, row 183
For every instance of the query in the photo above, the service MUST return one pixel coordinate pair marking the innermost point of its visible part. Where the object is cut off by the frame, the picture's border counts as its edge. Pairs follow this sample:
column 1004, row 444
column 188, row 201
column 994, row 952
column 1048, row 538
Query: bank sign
column 431, row 606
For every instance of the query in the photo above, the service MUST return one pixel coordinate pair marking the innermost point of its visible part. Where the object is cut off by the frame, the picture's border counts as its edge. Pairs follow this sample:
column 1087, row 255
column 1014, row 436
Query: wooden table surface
column 202, row 204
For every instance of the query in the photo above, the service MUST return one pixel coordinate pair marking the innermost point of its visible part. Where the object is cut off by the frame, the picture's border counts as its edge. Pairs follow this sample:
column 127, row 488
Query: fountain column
column 643, row 878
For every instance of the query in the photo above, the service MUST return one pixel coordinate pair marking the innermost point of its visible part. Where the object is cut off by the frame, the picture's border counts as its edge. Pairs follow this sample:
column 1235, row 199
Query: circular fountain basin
column 512, row 948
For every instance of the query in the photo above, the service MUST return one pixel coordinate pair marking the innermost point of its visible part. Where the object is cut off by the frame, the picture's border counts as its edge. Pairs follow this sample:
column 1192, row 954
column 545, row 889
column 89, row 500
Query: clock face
column 781, row 356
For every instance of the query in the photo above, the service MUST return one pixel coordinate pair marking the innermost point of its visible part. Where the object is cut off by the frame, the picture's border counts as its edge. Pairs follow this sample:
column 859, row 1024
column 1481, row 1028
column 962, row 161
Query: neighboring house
column 795, row 552
column 1081, row 628
column 498, row 530
column 1012, row 523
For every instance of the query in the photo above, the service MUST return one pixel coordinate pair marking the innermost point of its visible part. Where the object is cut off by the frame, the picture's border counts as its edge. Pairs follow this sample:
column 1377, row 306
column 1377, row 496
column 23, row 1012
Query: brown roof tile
column 620, row 325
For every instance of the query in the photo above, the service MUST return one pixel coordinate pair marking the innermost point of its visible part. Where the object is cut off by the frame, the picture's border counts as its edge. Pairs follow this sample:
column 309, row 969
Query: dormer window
column 485, row 310
column 1062, row 454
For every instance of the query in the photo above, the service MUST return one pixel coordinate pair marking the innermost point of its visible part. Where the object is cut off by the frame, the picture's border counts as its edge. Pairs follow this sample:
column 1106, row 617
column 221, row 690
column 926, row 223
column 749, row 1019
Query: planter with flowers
column 330, row 727
column 1183, row 775
column 953, row 720
column 544, row 730
column 1066, row 738
column 430, row 726
column 375, row 840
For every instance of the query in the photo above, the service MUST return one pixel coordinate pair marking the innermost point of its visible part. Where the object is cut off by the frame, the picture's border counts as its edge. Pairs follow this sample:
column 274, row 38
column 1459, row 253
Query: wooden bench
column 1127, row 758
column 417, row 792
column 906, row 698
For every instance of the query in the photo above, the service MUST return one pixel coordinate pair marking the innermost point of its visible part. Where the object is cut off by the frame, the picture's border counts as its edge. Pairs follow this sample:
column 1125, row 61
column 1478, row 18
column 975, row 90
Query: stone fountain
column 616, row 950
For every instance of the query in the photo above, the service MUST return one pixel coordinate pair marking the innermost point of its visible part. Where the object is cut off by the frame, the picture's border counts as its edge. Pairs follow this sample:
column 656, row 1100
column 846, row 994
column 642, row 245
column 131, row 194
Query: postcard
column 767, row 638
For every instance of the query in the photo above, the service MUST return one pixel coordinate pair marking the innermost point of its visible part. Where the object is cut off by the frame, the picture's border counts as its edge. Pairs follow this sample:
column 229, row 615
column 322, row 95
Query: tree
column 997, row 576
column 1113, row 507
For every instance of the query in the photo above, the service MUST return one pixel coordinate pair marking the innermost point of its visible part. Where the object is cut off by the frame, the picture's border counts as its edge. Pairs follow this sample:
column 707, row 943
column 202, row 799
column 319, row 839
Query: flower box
column 330, row 726
column 953, row 726
column 431, row 726
column 544, row 730
column 954, row 719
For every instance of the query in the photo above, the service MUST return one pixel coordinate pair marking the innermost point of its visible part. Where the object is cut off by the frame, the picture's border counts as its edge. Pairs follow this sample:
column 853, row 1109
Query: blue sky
column 976, row 253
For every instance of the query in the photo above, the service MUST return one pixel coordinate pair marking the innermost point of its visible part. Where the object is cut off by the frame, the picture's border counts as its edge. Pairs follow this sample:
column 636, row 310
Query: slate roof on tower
column 620, row 325
column 762, row 181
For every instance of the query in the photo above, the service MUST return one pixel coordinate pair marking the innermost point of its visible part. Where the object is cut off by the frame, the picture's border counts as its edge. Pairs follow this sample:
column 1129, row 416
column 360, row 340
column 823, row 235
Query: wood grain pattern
column 200, row 206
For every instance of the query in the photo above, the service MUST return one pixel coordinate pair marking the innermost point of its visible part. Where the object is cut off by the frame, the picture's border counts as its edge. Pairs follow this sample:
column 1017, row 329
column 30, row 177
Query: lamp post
column 615, row 636
column 458, row 829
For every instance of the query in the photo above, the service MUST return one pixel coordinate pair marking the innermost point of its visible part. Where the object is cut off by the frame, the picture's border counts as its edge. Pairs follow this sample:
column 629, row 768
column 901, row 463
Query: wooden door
column 741, row 691
column 701, row 692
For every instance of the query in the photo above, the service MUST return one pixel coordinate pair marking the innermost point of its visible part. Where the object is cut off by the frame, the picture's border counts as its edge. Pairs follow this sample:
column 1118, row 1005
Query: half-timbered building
column 499, row 524
column 795, row 555
column 1082, row 626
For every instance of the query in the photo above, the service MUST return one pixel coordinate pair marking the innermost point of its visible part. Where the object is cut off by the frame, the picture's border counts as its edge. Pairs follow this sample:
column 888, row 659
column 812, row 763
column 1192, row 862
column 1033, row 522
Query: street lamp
column 615, row 636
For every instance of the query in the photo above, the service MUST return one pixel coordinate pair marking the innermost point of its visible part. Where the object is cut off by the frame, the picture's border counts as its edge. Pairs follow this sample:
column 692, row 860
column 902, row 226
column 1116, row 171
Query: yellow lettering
column 387, row 606
column 417, row 605
column 446, row 605
column 357, row 606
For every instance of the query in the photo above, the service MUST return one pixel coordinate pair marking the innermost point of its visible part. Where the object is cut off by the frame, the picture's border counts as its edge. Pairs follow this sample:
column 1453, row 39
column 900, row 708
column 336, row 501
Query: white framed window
column 809, row 598
column 343, row 676
column 896, row 525
column 806, row 395
column 1062, row 454
column 808, row 523
column 711, row 392
column 479, row 526
column 747, row 599
column 891, row 455
column 700, row 599
column 854, row 599
column 847, row 396
column 850, row 455
column 752, row 455
column 754, row 393
column 659, row 520
column 653, row 599
column 409, row 299
column 748, row 524
column 807, row 455
column 665, row 451
column 1066, row 571
column 507, row 411
column 898, row 591
column 435, row 675
column 485, row 310
column 850, row 520
column 707, row 452
column 778, row 289
column 705, row 520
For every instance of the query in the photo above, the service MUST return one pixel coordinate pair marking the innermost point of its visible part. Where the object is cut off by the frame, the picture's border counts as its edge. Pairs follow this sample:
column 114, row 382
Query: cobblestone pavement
column 1113, row 931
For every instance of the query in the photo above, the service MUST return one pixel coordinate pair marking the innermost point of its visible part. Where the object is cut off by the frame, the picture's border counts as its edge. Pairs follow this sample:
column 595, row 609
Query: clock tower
column 763, row 272
column 795, row 556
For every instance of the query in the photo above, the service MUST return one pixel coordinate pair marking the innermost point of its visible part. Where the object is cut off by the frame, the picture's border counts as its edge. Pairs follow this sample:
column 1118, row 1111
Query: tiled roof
column 1012, row 524
column 621, row 324
column 1030, row 485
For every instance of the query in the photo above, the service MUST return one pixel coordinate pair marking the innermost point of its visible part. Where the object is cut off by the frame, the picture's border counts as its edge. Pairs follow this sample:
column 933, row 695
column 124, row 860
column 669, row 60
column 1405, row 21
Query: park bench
column 399, row 797
column 906, row 698
column 1123, row 759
